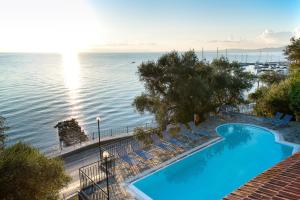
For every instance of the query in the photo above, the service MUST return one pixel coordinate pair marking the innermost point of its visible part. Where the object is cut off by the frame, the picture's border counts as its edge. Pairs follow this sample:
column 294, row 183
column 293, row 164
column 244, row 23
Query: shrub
column 274, row 100
column 28, row 175
column 284, row 96
column 294, row 98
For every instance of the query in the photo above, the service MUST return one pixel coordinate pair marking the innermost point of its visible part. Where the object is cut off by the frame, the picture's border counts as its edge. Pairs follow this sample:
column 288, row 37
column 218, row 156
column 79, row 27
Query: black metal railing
column 105, row 134
column 89, row 189
column 94, row 178
column 240, row 109
column 119, row 131
column 116, row 147
column 97, row 178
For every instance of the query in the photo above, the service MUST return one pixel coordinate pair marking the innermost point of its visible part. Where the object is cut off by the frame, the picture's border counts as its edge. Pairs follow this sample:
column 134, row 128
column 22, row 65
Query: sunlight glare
column 48, row 26
column 71, row 69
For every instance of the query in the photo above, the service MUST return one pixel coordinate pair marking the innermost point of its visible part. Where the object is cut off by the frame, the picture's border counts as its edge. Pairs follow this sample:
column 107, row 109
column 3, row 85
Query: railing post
column 106, row 172
column 111, row 132
column 127, row 129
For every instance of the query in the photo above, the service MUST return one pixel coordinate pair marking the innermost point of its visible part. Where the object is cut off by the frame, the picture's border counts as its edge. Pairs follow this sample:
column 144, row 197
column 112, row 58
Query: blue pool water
column 214, row 172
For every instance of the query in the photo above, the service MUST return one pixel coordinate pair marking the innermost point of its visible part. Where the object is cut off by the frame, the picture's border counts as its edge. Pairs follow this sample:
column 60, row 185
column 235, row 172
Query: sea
column 37, row 90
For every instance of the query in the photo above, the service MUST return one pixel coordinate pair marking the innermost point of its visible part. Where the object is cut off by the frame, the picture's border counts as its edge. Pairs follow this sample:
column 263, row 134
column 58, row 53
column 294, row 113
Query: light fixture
column 98, row 119
column 105, row 154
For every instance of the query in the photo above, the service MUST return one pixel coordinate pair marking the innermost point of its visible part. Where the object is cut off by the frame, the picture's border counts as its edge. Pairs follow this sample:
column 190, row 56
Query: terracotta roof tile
column 281, row 182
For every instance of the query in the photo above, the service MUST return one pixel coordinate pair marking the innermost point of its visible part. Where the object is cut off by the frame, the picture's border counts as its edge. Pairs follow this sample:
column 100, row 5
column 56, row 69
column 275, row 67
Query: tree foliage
column 179, row 86
column 274, row 99
column 143, row 134
column 258, row 93
column 28, row 175
column 285, row 95
column 292, row 52
column 294, row 98
column 271, row 77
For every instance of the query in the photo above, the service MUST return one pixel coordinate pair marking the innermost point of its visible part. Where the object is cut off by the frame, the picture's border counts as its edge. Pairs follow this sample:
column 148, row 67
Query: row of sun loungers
column 167, row 143
column 172, row 140
column 279, row 119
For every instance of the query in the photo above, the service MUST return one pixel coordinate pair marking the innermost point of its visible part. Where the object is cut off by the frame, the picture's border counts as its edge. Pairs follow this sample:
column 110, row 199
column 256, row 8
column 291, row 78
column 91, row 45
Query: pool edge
column 138, row 194
column 278, row 137
column 142, row 196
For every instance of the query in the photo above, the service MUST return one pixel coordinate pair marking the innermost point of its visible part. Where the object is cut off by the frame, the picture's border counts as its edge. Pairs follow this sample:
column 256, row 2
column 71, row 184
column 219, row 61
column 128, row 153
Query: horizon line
column 158, row 51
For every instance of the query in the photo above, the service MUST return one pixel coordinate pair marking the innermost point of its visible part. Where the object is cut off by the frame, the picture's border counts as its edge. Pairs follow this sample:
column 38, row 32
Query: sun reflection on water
column 71, row 68
column 71, row 74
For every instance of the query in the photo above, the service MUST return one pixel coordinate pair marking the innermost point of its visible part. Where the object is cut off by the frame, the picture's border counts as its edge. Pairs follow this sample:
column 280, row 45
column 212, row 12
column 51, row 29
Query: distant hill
column 272, row 49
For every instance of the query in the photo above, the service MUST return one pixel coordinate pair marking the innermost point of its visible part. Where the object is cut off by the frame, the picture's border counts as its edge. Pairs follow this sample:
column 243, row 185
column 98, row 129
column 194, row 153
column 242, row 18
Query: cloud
column 265, row 39
column 297, row 32
column 131, row 44
column 230, row 40
column 274, row 38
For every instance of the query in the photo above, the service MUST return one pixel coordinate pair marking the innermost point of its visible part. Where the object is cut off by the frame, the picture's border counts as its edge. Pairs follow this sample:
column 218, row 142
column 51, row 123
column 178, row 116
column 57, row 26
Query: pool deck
column 126, row 174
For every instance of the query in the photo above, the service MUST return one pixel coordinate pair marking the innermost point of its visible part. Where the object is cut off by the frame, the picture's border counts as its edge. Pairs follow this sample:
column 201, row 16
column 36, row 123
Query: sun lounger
column 196, row 130
column 123, row 155
column 158, row 143
column 283, row 122
column 187, row 133
column 277, row 117
column 172, row 140
column 136, row 148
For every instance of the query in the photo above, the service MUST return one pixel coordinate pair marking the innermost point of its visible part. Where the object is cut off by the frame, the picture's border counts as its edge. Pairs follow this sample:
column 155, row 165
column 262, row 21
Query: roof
column 280, row 182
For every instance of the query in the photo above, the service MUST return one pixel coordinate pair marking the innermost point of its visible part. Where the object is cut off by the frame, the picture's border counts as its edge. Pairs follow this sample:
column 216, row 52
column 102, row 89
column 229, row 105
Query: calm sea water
column 38, row 90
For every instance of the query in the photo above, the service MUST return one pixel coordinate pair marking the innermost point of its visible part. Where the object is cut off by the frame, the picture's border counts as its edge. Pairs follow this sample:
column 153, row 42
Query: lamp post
column 105, row 156
column 98, row 119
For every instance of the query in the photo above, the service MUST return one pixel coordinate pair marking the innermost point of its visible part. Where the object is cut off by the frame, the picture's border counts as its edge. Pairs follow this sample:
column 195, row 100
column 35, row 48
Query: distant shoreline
column 198, row 50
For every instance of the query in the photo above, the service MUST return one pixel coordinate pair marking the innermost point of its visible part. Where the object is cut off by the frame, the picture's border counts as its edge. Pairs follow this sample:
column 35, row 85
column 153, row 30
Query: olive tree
column 292, row 52
column 177, row 86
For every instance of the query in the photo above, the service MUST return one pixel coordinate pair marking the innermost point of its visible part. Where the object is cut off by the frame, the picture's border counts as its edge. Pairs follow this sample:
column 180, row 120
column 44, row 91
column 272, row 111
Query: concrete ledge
column 68, row 151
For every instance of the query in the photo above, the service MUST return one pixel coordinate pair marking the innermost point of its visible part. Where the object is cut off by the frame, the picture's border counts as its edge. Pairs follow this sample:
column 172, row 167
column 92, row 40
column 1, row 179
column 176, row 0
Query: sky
column 146, row 25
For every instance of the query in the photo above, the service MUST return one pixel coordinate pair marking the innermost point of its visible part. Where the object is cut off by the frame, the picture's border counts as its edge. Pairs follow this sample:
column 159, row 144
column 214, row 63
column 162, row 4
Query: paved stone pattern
column 125, row 171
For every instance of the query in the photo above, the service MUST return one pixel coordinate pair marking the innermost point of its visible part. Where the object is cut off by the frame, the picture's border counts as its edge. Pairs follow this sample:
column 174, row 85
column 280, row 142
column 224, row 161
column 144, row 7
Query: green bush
column 294, row 98
column 272, row 77
column 174, row 130
column 284, row 96
column 142, row 135
column 28, row 175
column 258, row 94
column 275, row 99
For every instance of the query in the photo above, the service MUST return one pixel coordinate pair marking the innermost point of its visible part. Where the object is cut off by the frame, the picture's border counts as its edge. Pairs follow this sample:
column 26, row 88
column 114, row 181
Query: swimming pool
column 217, row 170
